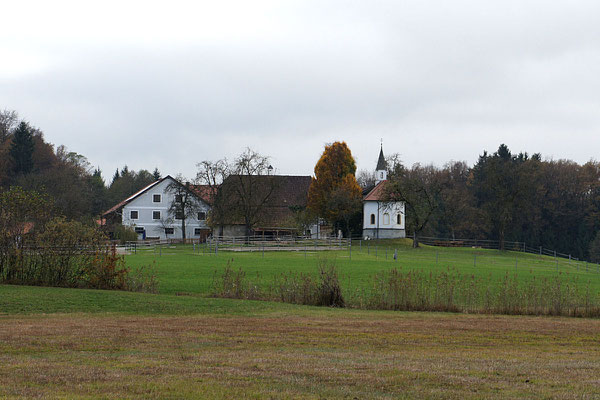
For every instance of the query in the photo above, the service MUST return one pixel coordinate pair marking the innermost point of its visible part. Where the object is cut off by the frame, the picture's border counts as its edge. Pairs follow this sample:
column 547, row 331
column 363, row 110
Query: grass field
column 181, row 269
column 75, row 343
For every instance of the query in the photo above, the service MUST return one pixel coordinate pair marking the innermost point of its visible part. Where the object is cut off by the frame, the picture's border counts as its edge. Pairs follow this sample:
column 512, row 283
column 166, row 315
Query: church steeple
column 381, row 169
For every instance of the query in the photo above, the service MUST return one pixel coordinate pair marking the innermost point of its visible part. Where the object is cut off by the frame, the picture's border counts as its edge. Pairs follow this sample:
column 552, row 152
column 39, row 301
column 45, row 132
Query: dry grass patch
column 318, row 355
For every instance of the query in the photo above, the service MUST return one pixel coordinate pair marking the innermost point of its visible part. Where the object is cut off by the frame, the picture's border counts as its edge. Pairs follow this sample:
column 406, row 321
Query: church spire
column 381, row 169
column 381, row 164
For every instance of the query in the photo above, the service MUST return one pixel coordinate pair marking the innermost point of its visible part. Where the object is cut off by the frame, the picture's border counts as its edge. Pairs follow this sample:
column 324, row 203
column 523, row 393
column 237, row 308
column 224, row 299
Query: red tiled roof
column 377, row 193
column 205, row 192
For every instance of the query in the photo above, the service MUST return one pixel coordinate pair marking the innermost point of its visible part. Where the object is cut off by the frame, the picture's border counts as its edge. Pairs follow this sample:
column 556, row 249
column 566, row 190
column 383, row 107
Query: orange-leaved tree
column 334, row 193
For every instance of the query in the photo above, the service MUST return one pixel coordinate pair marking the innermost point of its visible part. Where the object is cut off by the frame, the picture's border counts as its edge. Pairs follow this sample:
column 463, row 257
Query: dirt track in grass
column 315, row 355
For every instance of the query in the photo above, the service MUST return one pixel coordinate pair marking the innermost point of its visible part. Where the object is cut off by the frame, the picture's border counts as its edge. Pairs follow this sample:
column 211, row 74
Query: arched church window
column 372, row 219
column 386, row 219
column 381, row 175
column 399, row 219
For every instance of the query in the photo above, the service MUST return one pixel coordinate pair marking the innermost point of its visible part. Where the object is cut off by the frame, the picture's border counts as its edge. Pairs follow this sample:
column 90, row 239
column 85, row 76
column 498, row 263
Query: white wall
column 145, row 206
column 386, row 215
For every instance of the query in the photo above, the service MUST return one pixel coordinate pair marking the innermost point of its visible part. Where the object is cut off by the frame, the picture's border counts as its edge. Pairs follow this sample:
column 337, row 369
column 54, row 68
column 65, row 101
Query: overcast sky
column 168, row 84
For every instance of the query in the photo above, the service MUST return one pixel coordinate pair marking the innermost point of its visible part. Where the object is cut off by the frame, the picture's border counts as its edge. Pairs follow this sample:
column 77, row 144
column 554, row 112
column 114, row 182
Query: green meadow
column 189, row 269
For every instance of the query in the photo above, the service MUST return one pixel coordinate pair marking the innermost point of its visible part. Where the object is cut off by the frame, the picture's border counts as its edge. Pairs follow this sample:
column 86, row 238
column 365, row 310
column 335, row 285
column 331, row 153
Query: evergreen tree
column 21, row 149
column 116, row 177
column 156, row 174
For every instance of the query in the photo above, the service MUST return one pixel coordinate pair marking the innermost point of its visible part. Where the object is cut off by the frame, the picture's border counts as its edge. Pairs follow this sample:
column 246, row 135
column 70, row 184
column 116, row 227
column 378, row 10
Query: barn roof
column 289, row 193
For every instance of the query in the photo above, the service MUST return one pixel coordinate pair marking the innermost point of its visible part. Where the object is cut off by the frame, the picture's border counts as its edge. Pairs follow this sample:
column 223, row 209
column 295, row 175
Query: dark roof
column 289, row 193
column 381, row 164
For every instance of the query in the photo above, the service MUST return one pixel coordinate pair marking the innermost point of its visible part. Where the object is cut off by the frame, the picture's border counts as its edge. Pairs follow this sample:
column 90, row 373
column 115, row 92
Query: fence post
column 396, row 254
column 569, row 260
column 350, row 248
column 540, row 250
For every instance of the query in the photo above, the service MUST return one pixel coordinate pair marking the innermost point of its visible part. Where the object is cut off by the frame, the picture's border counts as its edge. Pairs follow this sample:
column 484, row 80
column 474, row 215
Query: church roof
column 377, row 193
column 381, row 164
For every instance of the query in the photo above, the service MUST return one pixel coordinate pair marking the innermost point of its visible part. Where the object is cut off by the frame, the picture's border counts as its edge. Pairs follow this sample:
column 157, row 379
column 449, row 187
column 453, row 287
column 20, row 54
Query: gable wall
column 145, row 206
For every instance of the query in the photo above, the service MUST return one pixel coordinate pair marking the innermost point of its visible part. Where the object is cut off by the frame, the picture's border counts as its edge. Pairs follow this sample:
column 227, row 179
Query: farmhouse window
column 178, row 198
column 201, row 216
column 156, row 198
column 178, row 215
column 133, row 214
column 169, row 231
column 139, row 229
column 197, row 231
column 399, row 219
column 155, row 214
column 386, row 219
column 372, row 219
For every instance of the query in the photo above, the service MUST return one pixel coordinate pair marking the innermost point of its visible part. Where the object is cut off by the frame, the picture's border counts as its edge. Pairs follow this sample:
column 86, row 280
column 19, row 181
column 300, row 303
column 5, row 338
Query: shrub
column 329, row 291
column 71, row 254
column 124, row 234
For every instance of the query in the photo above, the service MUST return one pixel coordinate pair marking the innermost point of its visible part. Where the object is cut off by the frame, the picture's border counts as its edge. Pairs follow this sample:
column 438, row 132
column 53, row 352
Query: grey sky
column 157, row 84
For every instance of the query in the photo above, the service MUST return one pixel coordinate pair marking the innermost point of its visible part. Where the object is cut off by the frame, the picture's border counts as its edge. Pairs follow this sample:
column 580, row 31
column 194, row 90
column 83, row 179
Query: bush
column 287, row 288
column 71, row 254
column 124, row 234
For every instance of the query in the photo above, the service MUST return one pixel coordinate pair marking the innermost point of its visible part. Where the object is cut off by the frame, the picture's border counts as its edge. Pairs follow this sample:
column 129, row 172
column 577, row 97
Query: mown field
column 75, row 343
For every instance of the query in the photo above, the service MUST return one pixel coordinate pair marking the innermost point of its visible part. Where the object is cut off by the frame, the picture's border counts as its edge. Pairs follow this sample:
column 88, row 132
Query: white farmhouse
column 147, row 212
column 381, row 219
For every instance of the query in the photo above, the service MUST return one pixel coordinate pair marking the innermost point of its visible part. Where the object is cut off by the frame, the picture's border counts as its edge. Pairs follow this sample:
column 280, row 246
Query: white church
column 381, row 219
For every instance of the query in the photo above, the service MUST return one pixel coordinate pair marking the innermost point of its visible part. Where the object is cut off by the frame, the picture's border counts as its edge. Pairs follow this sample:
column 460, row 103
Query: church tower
column 381, row 169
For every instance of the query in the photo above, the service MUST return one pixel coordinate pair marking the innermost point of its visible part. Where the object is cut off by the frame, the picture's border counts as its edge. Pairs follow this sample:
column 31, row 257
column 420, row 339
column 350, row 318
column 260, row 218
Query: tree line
column 77, row 190
column 504, row 197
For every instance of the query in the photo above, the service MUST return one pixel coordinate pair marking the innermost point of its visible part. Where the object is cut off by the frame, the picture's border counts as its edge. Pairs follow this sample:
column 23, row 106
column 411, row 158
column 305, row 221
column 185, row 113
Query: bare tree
column 185, row 203
column 212, row 174
column 366, row 179
column 250, row 187
column 419, row 188
column 8, row 122
column 239, row 190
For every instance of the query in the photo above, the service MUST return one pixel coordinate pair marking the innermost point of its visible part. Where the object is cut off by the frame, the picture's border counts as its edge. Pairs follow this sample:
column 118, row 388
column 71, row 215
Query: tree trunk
column 415, row 240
